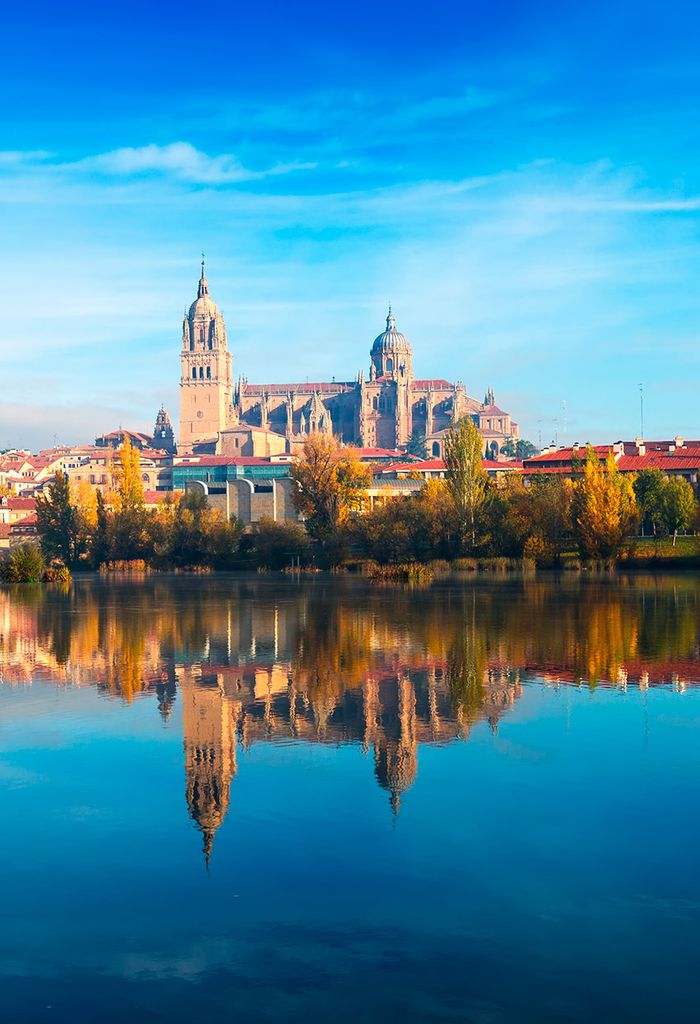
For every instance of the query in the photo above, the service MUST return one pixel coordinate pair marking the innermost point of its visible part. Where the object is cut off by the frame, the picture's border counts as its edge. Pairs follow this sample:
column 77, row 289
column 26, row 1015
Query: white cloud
column 183, row 161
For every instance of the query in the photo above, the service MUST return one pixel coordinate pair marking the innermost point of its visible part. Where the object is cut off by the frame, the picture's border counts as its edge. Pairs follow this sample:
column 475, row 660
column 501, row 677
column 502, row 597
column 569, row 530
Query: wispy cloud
column 182, row 161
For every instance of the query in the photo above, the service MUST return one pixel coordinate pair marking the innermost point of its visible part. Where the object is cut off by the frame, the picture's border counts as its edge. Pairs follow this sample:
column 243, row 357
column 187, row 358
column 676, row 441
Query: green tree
column 101, row 539
column 649, row 487
column 59, row 522
column 679, row 505
column 604, row 507
column 417, row 446
column 331, row 485
column 518, row 449
column 466, row 479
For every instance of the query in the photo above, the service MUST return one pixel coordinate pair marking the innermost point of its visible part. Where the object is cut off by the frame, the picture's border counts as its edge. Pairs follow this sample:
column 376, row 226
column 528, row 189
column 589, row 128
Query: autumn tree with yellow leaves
column 604, row 506
column 331, row 485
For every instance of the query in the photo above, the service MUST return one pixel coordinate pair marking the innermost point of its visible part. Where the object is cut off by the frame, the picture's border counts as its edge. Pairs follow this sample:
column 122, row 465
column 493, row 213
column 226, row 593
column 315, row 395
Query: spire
column 390, row 320
column 208, row 837
column 203, row 283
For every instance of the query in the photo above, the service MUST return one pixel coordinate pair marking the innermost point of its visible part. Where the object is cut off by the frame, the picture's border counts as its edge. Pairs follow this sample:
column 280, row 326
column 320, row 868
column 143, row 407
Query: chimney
column 574, row 448
column 678, row 441
column 640, row 446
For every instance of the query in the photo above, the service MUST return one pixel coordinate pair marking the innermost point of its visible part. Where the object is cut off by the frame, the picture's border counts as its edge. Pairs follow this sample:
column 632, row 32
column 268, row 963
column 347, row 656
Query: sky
column 520, row 180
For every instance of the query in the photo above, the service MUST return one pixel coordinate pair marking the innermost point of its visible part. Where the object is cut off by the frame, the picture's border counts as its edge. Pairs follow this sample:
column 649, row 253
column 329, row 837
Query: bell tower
column 206, row 390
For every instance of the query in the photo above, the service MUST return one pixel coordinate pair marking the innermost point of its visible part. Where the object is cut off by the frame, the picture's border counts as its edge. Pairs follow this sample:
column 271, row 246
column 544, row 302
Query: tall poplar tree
column 466, row 479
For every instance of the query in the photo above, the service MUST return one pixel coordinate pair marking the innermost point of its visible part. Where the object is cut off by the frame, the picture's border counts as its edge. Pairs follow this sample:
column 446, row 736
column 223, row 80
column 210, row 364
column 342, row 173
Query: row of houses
column 251, row 487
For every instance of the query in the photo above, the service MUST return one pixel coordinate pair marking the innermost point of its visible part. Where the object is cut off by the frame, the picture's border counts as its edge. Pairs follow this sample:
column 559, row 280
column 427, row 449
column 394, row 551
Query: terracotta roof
column 19, row 503
column 437, row 385
column 492, row 410
column 26, row 525
column 659, row 460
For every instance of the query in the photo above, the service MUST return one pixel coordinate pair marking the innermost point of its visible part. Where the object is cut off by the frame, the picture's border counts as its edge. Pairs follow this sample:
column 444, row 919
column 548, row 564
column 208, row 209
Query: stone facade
column 383, row 410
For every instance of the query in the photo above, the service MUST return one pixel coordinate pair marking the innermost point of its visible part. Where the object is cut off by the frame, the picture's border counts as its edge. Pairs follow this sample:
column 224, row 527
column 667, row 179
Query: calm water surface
column 264, row 800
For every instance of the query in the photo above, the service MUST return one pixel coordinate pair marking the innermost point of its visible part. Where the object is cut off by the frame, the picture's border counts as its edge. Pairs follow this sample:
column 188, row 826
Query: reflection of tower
column 209, row 725
column 396, row 759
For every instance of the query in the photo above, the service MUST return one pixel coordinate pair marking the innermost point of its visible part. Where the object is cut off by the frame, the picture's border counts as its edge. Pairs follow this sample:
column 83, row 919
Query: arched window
column 375, row 403
column 194, row 372
column 201, row 373
column 390, row 366
column 436, row 449
column 208, row 372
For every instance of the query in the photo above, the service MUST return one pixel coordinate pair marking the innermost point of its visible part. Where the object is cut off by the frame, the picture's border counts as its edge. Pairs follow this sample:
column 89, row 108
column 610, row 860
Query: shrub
column 57, row 572
column 540, row 551
column 25, row 565
column 271, row 545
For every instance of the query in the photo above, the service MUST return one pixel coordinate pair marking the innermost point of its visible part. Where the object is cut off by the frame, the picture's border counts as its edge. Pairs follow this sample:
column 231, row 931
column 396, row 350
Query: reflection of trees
column 335, row 635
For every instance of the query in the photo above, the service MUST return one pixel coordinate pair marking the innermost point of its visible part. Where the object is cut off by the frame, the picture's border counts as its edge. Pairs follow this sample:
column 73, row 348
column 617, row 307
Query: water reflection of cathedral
column 390, row 715
column 333, row 662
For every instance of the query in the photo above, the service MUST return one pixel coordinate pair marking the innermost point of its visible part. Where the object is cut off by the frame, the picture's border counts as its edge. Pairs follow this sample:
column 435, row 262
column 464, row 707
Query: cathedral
column 383, row 410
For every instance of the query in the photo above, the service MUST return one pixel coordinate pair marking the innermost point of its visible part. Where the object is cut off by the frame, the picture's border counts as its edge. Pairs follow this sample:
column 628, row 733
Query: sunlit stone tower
column 206, row 391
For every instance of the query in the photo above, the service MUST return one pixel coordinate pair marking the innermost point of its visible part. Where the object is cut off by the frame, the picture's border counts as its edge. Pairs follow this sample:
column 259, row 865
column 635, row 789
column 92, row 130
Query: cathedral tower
column 206, row 390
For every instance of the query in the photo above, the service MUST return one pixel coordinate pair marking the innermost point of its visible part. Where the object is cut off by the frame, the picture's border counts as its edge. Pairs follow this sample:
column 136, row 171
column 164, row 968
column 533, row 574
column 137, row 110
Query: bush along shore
column 466, row 522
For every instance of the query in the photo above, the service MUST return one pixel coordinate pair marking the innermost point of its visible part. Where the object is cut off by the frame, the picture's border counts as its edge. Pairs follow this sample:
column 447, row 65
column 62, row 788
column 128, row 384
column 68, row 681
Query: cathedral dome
column 203, row 306
column 391, row 340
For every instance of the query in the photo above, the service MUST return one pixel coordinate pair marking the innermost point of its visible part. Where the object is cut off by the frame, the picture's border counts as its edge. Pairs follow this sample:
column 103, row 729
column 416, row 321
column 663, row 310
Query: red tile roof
column 436, row 385
column 19, row 503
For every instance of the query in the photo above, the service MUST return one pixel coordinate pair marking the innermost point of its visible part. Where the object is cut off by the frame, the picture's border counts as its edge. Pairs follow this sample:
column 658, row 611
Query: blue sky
column 522, row 181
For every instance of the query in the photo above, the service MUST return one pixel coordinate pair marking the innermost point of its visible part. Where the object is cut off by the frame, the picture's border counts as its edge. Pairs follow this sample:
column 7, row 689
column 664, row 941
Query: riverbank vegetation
column 466, row 521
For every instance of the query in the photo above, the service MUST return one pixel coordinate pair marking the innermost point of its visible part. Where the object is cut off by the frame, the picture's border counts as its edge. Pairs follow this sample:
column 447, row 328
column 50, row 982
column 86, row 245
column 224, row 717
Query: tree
column 649, row 486
column 330, row 486
column 101, row 535
column 129, row 523
column 129, row 497
column 604, row 507
column 417, row 446
column 679, row 505
column 539, row 516
column 513, row 449
column 466, row 478
column 187, row 532
column 413, row 529
column 59, row 523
